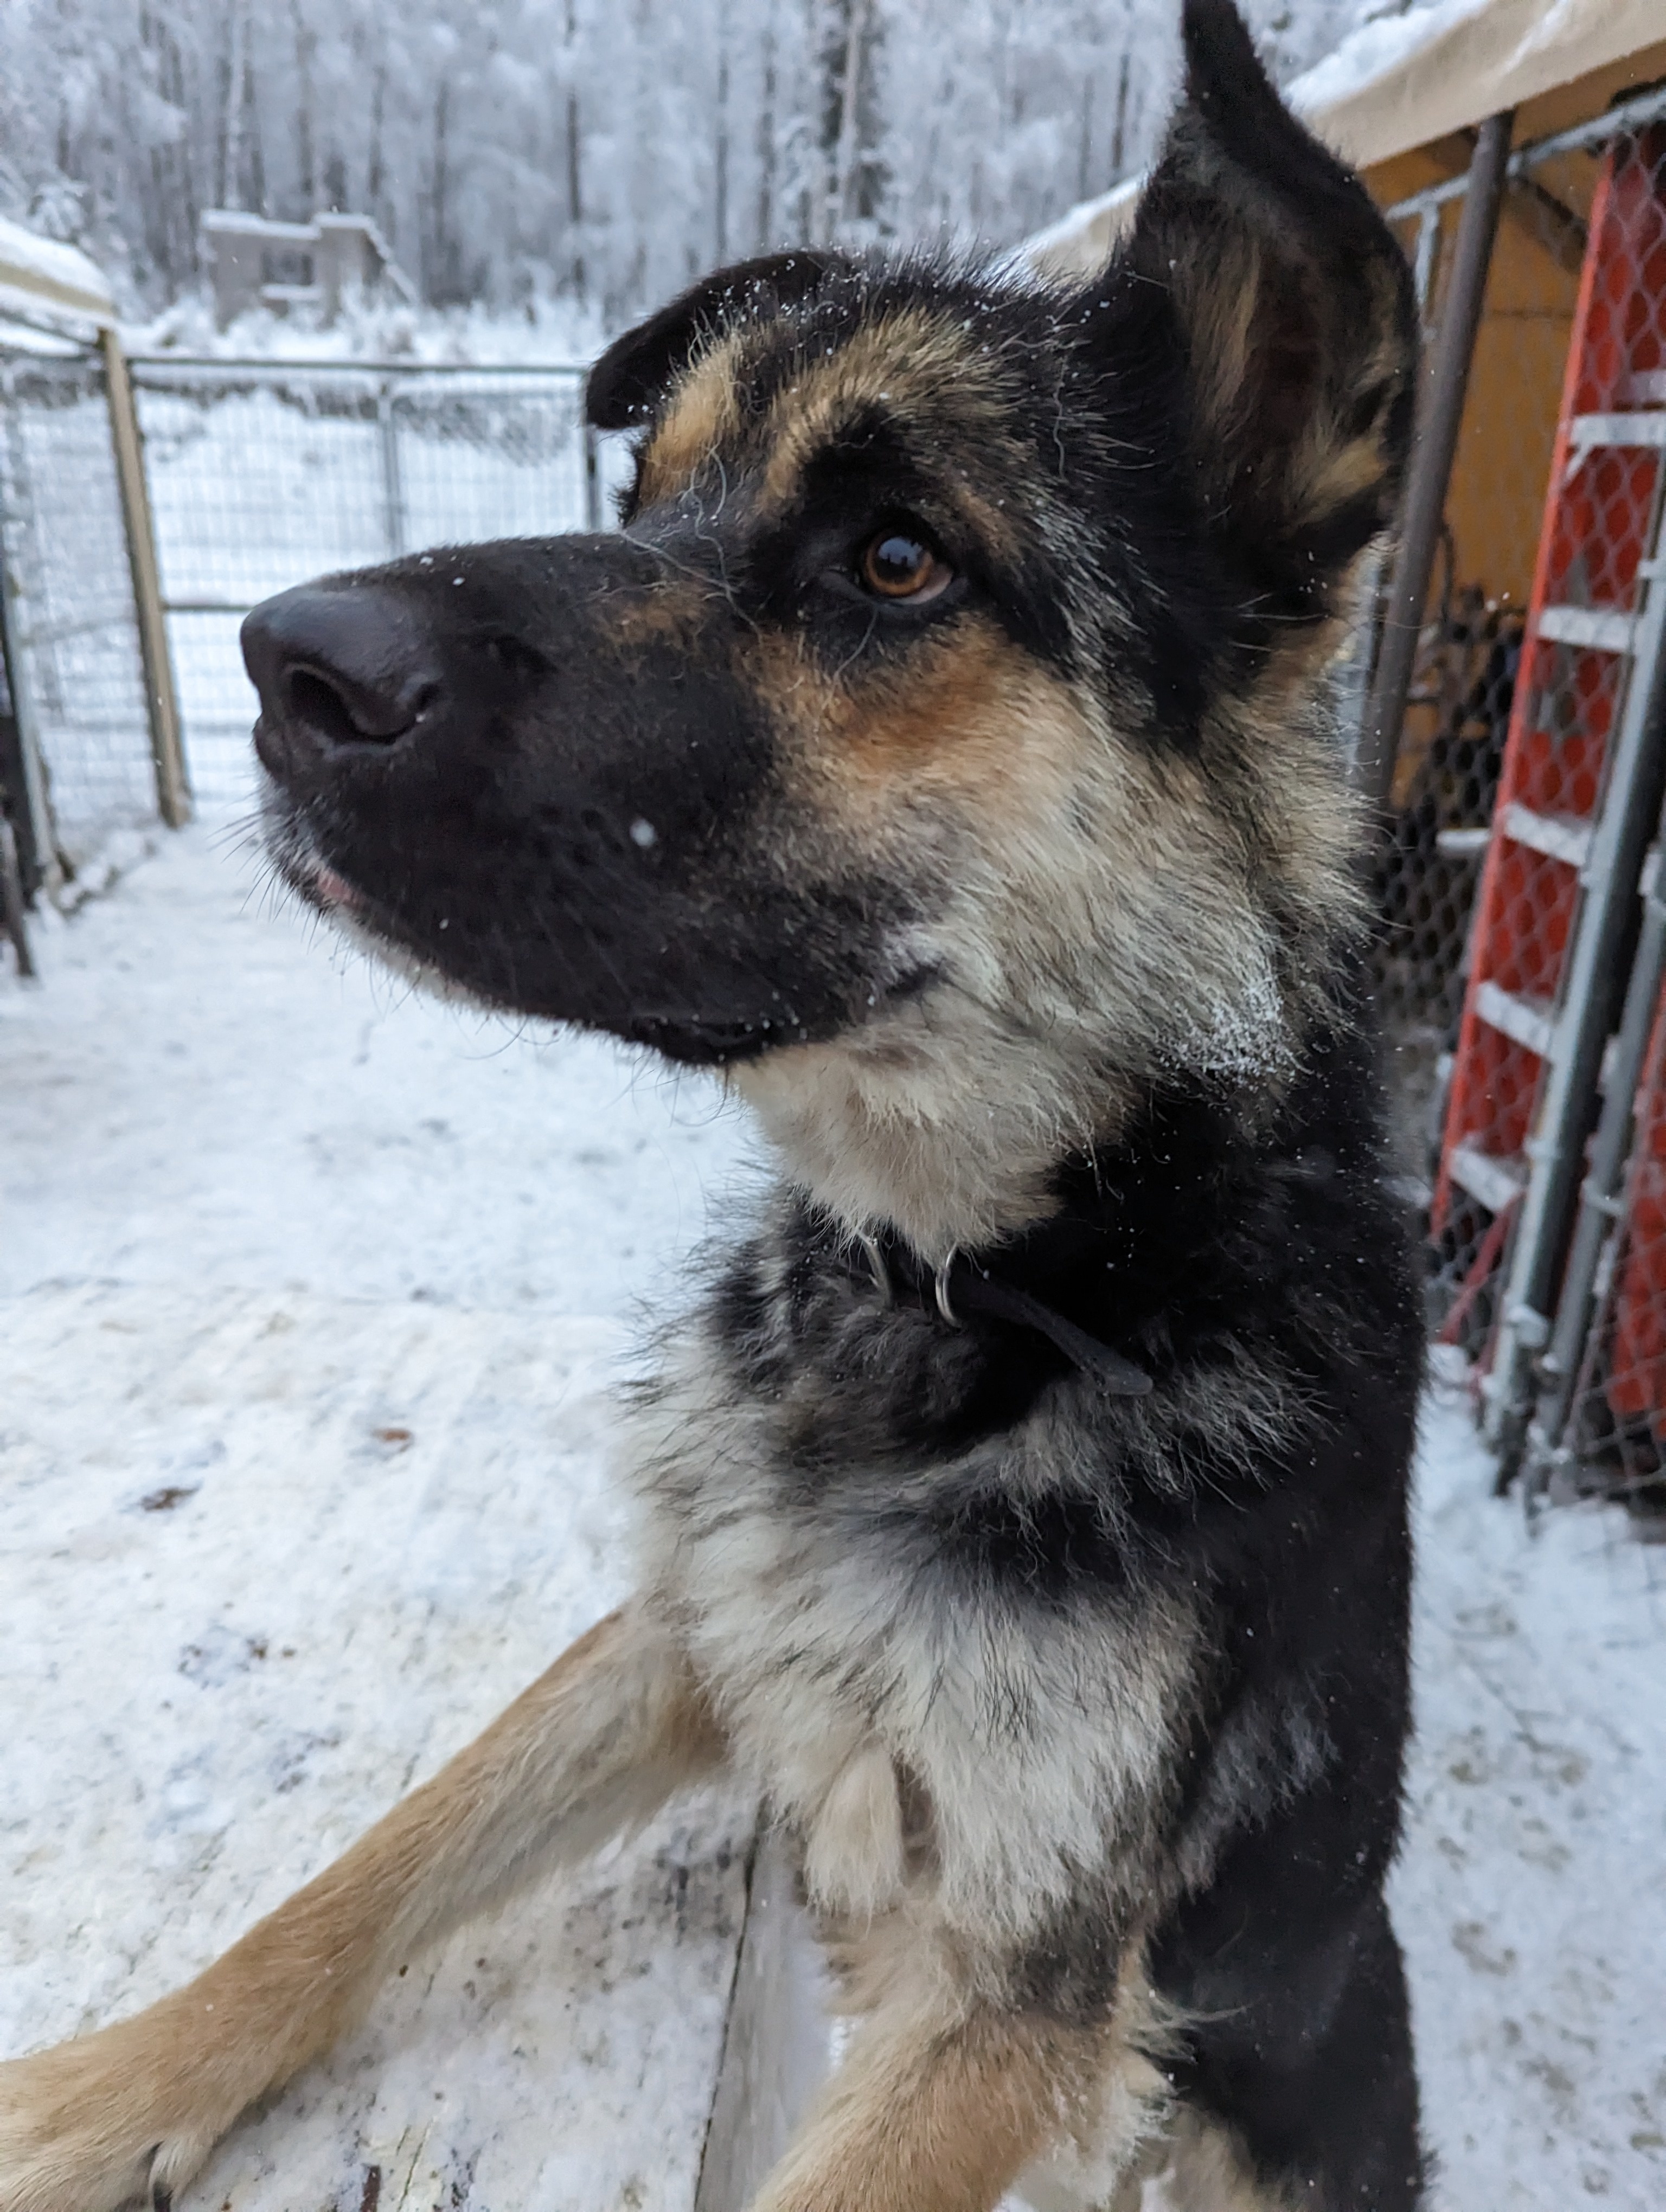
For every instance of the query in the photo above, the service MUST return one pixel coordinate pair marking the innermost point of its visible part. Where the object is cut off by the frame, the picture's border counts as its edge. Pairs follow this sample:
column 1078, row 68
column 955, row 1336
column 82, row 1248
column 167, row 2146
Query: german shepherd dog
column 943, row 750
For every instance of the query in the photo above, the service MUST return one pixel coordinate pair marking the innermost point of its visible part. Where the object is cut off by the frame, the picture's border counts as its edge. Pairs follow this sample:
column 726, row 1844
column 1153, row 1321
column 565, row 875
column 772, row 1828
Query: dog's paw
column 105, row 2122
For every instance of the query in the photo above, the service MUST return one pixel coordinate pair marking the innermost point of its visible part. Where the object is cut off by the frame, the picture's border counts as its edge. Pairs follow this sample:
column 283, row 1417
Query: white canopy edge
column 38, row 275
column 1401, row 82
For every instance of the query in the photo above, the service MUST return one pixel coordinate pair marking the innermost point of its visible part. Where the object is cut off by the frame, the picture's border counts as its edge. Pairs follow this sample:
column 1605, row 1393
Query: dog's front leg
column 938, row 2110
column 593, row 1746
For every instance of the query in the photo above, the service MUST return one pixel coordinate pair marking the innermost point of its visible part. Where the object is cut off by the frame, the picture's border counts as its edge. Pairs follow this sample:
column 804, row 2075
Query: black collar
column 968, row 1282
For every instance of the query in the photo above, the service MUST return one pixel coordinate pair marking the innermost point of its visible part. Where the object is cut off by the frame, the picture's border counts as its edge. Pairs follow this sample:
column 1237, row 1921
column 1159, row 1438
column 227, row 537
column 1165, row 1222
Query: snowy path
column 209, row 1091
column 1531, row 1897
column 282, row 1215
column 309, row 1293
column 267, row 1560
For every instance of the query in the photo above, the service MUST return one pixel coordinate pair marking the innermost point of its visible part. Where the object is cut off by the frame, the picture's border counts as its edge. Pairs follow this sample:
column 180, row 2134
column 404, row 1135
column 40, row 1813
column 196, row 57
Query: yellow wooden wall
column 1496, row 501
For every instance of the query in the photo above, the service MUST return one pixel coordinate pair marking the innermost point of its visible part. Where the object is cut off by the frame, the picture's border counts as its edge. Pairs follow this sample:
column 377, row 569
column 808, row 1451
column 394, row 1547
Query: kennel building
column 1505, row 702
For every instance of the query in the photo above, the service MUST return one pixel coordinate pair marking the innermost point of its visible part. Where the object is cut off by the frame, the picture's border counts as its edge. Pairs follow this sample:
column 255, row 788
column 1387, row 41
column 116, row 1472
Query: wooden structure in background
column 323, row 265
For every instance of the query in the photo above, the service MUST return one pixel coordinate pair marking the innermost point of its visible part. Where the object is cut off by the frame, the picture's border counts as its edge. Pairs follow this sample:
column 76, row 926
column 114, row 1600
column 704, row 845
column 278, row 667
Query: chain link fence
column 259, row 475
column 1612, row 1440
column 73, row 655
column 1525, row 786
column 262, row 475
column 1450, row 762
column 1450, row 759
column 1609, row 1431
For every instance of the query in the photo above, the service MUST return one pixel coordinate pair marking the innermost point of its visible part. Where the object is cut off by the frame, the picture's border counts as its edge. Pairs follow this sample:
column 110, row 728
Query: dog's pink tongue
column 334, row 890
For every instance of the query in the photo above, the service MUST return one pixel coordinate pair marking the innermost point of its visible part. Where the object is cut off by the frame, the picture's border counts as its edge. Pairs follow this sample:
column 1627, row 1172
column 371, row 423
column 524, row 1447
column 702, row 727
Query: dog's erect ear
column 1296, row 323
column 628, row 381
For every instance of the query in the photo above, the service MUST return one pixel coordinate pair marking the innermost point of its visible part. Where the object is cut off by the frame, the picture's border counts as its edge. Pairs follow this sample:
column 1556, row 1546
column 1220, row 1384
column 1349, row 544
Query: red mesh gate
column 1600, row 524
column 1617, row 1435
column 1635, row 1356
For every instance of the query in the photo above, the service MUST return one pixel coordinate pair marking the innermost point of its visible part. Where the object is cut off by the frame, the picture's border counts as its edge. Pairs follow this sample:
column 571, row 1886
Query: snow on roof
column 1402, row 81
column 39, row 276
column 1372, row 50
column 17, row 336
column 258, row 226
column 1460, row 60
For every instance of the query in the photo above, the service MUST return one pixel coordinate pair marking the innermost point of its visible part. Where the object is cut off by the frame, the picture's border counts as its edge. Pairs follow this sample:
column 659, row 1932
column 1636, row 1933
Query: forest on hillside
column 604, row 150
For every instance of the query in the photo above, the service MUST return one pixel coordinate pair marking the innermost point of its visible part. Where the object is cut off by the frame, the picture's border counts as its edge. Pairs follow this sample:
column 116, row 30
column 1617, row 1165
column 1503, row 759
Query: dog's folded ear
column 628, row 381
column 1296, row 326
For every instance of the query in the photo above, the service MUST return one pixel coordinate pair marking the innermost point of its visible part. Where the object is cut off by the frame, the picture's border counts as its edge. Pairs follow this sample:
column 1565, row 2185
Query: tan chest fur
column 858, row 1682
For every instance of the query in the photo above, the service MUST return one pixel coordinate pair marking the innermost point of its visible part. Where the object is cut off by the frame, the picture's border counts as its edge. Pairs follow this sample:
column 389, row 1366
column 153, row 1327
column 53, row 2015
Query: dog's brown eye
column 898, row 566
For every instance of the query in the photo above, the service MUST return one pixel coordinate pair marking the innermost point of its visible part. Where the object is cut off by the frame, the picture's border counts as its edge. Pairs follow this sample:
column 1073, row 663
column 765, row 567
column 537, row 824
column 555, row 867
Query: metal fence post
column 394, row 483
column 37, row 848
column 1591, row 986
column 1423, row 262
column 13, row 919
column 1596, row 1225
column 1440, row 415
column 593, row 477
column 173, row 787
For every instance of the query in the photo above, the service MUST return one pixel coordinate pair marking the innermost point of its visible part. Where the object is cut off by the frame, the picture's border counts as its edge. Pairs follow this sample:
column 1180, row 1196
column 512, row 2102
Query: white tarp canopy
column 40, row 277
column 1404, row 80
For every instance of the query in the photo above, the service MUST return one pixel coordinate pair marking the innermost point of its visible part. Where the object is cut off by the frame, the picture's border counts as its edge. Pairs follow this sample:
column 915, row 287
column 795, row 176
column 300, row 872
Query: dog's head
column 941, row 746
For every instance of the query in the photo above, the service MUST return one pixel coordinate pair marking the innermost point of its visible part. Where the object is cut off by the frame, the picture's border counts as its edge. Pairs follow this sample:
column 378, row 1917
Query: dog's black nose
column 346, row 666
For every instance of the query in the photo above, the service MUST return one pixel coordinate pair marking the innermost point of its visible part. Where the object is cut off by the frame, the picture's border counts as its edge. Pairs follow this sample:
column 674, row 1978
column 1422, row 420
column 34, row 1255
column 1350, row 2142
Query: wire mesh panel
column 1449, row 760
column 1599, row 535
column 1502, row 757
column 1616, row 1437
column 264, row 475
column 71, row 620
column 489, row 456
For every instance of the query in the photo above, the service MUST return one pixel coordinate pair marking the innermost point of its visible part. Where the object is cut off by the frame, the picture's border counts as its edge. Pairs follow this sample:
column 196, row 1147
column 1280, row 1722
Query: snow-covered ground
column 1531, row 1897
column 224, row 1147
column 309, row 1298
column 267, row 1558
column 207, row 1090
column 548, row 332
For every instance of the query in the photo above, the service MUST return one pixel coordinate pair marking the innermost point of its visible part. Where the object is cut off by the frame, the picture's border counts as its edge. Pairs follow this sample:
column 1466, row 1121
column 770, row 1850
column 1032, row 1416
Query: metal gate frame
column 1493, row 172
column 1557, row 1219
column 20, row 765
column 160, row 692
column 392, row 511
column 39, row 852
column 391, row 376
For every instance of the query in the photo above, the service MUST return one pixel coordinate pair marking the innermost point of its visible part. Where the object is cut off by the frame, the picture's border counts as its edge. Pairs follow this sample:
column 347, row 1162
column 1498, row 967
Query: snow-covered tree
column 609, row 149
